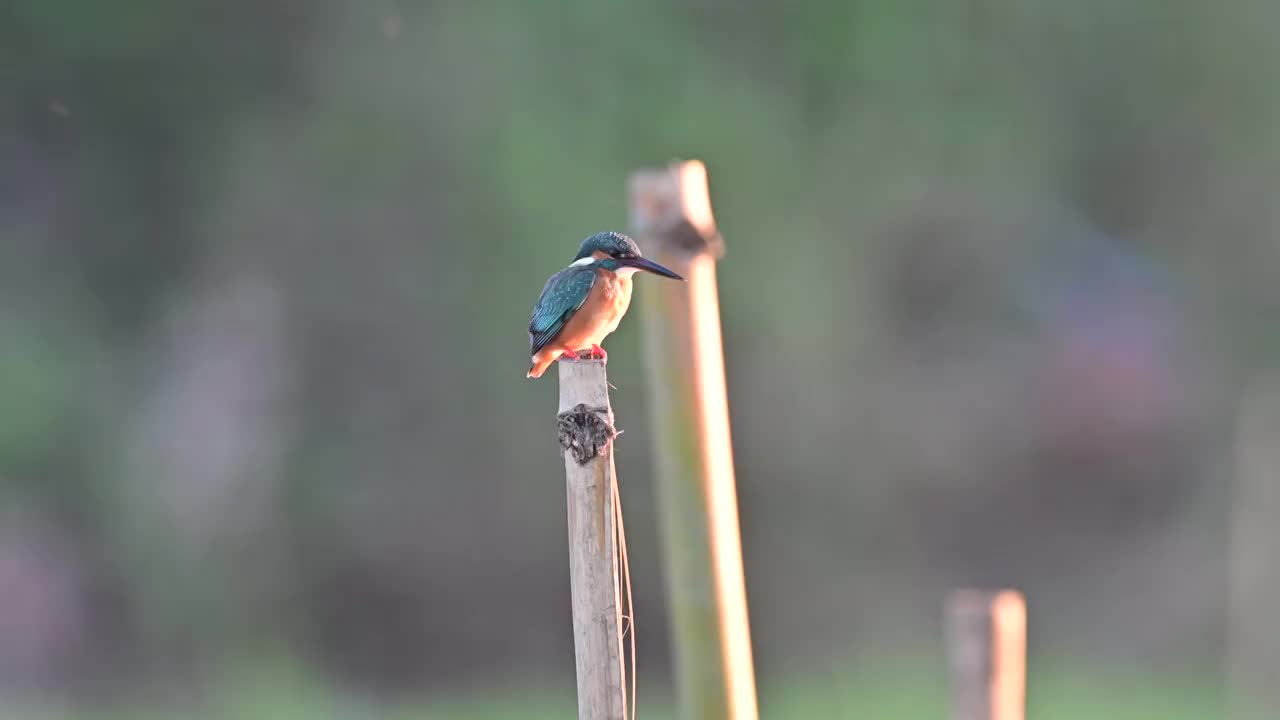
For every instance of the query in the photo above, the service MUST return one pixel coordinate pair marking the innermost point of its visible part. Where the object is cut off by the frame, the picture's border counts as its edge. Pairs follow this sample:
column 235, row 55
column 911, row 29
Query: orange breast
column 600, row 313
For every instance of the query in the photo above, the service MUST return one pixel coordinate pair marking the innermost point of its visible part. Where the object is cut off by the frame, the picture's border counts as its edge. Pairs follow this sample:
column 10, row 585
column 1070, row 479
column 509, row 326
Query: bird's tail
column 540, row 365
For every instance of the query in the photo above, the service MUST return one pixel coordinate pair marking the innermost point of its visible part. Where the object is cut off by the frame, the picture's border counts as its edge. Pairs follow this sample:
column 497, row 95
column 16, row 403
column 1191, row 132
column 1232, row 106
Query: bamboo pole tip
column 987, row 654
column 673, row 205
column 583, row 381
column 995, row 602
column 585, row 419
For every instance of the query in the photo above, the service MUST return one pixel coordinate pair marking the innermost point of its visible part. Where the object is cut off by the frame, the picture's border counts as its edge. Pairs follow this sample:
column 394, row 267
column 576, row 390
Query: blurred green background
column 998, row 276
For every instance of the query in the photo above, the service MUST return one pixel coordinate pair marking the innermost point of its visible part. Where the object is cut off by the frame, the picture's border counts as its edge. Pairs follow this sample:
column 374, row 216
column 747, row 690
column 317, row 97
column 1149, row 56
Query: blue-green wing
column 561, row 297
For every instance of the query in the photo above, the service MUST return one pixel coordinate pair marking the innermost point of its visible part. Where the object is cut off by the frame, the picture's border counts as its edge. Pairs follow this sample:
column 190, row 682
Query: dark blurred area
column 997, row 277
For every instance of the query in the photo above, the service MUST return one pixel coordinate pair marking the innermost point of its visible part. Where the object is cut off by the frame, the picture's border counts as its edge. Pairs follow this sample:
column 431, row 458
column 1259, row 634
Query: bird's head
column 618, row 253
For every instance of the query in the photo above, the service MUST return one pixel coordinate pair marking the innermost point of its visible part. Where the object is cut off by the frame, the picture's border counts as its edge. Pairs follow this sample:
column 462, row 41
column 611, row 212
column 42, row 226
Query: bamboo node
column 585, row 431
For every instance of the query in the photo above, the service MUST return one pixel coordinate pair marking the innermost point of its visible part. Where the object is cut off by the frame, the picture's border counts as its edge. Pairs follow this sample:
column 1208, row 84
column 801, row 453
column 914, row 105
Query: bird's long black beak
column 650, row 266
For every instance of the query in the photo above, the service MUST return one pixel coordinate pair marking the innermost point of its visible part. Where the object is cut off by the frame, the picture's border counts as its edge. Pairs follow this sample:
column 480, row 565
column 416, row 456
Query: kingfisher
column 583, row 303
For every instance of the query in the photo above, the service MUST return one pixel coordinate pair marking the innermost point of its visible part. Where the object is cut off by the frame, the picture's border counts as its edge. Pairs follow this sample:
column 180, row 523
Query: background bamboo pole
column 1253, row 635
column 697, row 498
column 986, row 654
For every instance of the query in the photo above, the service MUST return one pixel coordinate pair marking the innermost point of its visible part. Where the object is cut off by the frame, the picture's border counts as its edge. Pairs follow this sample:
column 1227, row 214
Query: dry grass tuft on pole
column 586, row 434
column 671, row 218
column 987, row 654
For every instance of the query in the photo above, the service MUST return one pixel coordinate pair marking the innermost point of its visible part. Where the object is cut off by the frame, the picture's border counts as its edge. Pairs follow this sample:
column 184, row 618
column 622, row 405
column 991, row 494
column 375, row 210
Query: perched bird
column 584, row 302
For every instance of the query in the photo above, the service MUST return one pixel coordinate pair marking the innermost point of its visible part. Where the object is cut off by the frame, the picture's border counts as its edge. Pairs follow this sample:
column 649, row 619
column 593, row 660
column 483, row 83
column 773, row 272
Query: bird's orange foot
column 598, row 352
column 570, row 352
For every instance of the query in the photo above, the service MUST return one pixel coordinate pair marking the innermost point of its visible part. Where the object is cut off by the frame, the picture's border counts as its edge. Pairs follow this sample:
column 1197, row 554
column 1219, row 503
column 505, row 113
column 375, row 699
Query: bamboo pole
column 987, row 654
column 586, row 435
column 1253, row 636
column 672, row 220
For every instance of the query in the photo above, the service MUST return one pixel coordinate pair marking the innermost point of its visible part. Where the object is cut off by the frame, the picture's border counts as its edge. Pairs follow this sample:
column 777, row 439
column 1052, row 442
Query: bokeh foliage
column 265, row 269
